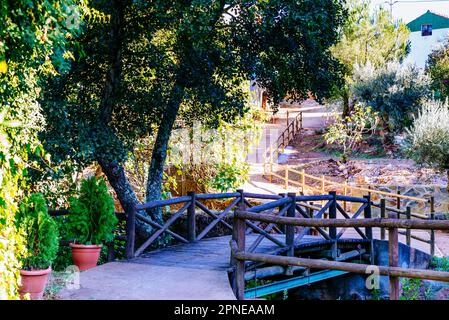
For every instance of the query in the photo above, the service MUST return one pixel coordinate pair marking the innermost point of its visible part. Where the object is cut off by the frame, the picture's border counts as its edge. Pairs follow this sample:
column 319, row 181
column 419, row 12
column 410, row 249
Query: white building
column 428, row 32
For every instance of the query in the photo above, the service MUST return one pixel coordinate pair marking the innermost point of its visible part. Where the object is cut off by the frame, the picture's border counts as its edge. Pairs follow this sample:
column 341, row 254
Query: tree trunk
column 447, row 175
column 346, row 110
column 125, row 194
column 112, row 168
column 159, row 155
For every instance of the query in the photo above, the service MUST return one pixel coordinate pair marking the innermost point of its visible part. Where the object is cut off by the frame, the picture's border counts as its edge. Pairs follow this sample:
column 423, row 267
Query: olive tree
column 394, row 91
column 427, row 140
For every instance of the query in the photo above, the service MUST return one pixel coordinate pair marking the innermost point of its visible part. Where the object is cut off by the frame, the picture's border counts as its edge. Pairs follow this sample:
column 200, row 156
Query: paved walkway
column 314, row 117
column 193, row 271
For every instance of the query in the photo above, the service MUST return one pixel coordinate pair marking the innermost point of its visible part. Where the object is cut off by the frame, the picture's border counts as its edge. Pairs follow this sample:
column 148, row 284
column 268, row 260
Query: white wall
column 421, row 46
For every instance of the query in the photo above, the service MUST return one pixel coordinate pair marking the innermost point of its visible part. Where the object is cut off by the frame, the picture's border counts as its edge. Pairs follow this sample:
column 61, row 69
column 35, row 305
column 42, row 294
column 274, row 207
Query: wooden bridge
column 288, row 238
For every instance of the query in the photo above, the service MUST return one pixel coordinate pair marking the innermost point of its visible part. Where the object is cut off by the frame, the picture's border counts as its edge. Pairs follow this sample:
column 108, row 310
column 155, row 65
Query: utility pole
column 391, row 3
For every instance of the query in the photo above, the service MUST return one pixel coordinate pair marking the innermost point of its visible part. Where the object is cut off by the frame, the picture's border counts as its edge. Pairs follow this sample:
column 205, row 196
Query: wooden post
column 238, row 235
column 183, row 184
column 130, row 233
column 286, row 178
column 432, row 232
column 333, row 230
column 398, row 200
column 290, row 231
column 310, row 212
column 345, row 192
column 281, row 207
column 393, row 250
column 303, row 180
column 383, row 215
column 296, row 125
column 333, row 214
column 191, row 223
column 283, row 141
column 367, row 215
column 288, row 116
column 408, row 232
column 300, row 121
column 111, row 251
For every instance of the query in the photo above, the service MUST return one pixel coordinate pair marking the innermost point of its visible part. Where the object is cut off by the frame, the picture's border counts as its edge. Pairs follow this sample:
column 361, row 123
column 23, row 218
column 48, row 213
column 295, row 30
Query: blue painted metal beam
column 291, row 283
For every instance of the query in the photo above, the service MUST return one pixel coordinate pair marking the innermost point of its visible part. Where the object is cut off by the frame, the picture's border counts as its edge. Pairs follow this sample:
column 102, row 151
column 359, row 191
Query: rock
column 442, row 294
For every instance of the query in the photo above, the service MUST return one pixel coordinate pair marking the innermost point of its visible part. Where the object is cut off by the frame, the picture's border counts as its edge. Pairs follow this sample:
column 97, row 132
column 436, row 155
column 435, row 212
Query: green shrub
column 40, row 231
column 427, row 140
column 229, row 176
column 92, row 219
column 348, row 132
column 411, row 289
column 437, row 67
column 394, row 91
column 440, row 264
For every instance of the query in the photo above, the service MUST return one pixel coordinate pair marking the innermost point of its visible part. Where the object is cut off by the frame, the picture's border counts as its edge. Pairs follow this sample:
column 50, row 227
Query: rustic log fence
column 189, row 203
column 241, row 255
column 271, row 155
column 275, row 221
column 321, row 185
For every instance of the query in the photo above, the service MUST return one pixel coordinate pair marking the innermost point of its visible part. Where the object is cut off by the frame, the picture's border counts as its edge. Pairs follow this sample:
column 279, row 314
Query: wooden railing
column 189, row 203
column 294, row 126
column 287, row 219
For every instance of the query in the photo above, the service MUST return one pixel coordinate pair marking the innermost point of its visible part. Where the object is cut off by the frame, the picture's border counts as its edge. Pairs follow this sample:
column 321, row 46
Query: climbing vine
column 33, row 45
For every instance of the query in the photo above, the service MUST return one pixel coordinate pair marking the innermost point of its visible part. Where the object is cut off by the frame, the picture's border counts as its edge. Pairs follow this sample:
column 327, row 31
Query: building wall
column 421, row 46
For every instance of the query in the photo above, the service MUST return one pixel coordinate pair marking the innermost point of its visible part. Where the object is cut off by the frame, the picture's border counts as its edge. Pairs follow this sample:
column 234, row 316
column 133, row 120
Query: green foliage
column 40, row 232
column 438, row 69
column 411, row 289
column 395, row 92
column 34, row 36
column 229, row 177
column 440, row 263
column 189, row 60
column 347, row 132
column 370, row 37
column 376, row 294
column 92, row 218
column 427, row 140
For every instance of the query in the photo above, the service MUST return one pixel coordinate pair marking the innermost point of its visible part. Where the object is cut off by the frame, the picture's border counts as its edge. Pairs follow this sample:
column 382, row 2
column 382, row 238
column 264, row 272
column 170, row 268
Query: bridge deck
column 194, row 271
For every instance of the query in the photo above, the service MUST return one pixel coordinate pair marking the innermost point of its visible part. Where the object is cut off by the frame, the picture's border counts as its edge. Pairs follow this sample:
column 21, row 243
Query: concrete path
column 314, row 117
column 193, row 271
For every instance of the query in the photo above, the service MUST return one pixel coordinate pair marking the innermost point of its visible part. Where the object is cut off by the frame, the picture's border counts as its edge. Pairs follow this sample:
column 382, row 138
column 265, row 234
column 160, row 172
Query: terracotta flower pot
column 33, row 282
column 85, row 256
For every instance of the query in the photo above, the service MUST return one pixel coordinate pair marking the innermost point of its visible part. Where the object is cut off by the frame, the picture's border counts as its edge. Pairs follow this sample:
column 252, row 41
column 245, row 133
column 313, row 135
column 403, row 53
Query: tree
column 156, row 61
column 437, row 67
column 368, row 37
column 349, row 131
column 427, row 140
column 33, row 45
column 395, row 92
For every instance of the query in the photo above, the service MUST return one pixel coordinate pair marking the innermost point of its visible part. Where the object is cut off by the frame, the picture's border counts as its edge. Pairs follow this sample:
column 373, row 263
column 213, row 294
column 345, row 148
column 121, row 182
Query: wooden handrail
column 350, row 187
column 239, row 255
column 347, row 223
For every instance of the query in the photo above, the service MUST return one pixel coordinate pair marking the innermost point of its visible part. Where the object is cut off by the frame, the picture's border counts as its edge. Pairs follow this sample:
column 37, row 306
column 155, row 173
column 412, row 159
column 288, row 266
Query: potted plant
column 40, row 234
column 91, row 222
